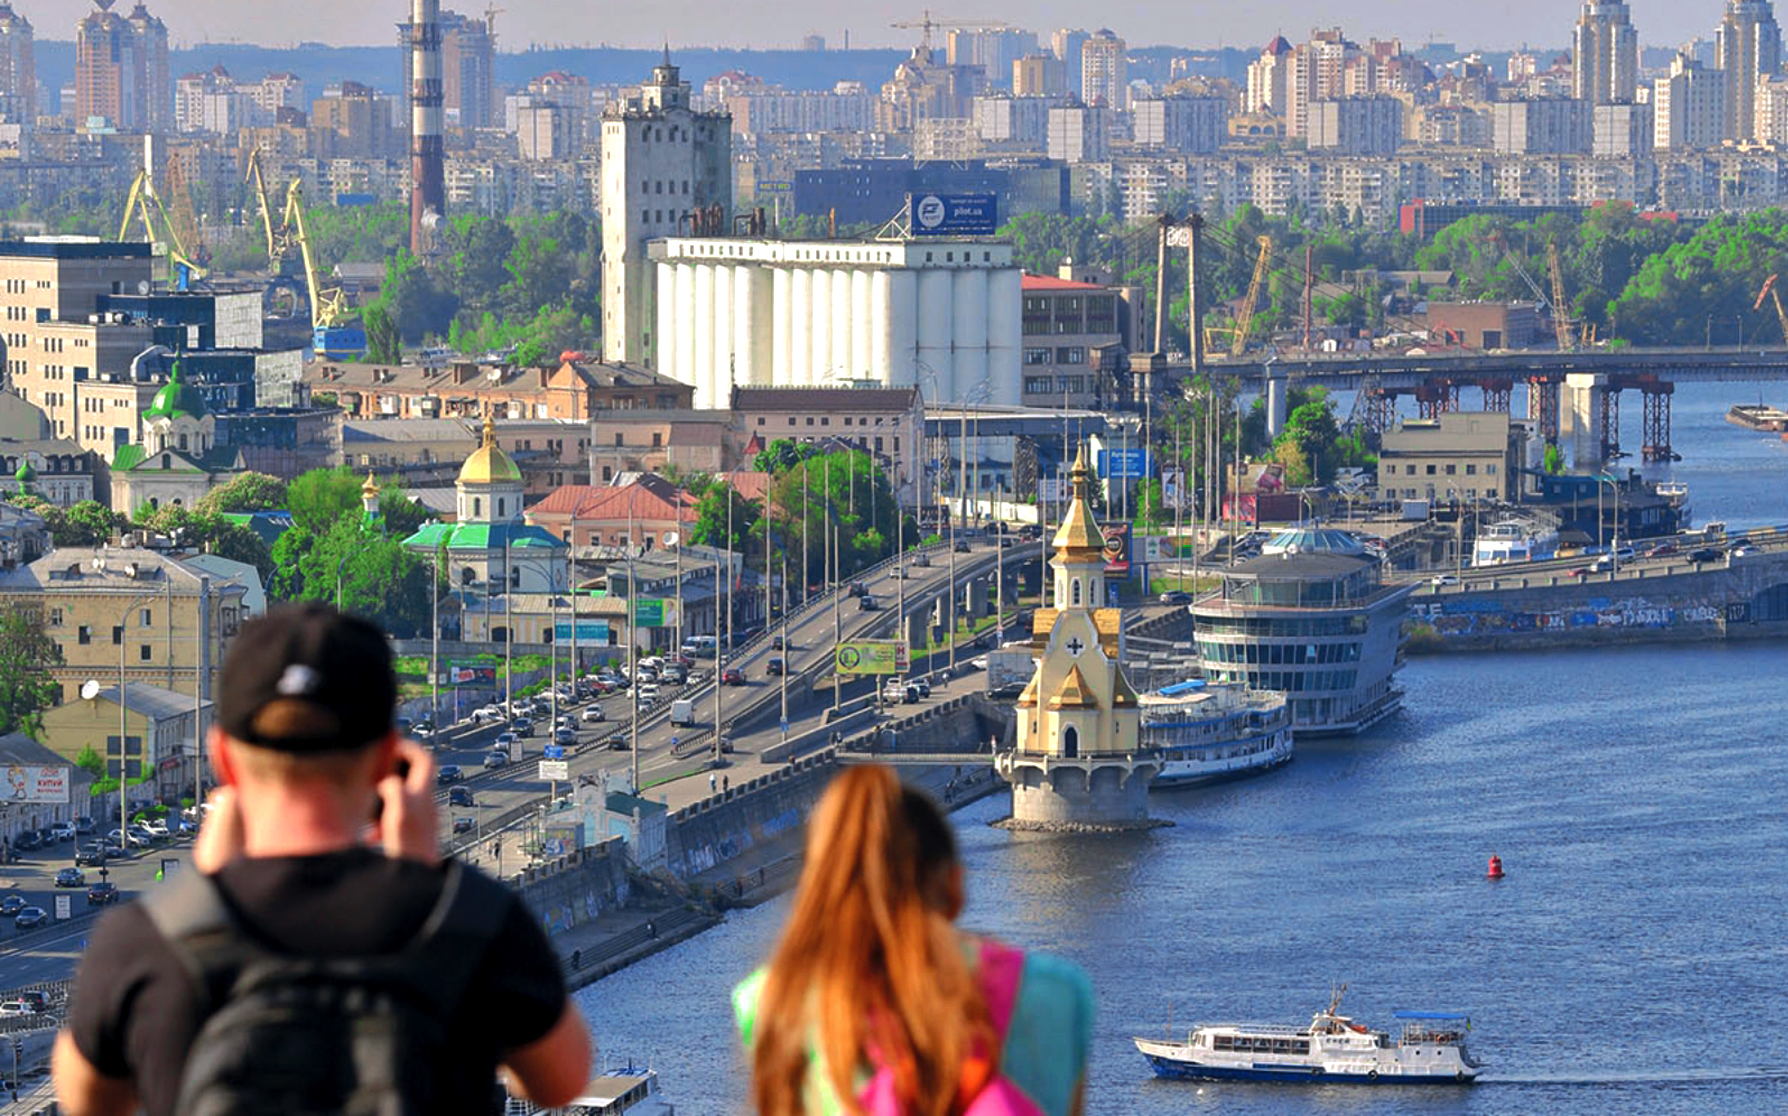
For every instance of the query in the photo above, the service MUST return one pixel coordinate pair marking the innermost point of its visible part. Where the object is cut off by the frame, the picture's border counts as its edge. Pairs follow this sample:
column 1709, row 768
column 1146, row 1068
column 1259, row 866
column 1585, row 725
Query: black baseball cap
column 337, row 663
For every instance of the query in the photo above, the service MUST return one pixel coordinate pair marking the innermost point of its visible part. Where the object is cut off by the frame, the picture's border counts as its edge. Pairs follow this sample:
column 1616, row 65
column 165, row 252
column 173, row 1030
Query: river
column 1632, row 961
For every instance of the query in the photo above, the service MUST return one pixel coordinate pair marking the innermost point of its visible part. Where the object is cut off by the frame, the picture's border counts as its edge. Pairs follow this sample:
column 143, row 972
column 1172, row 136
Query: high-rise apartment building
column 121, row 71
column 18, row 68
column 1748, row 45
column 1604, row 54
column 1067, row 44
column 468, row 71
column 994, row 49
column 1319, row 71
column 1688, row 107
column 662, row 162
column 1267, row 78
column 1104, row 70
column 1039, row 75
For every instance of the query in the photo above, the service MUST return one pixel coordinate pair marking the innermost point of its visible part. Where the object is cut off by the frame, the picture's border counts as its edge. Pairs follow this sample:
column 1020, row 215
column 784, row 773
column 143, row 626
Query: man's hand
column 221, row 837
column 409, row 825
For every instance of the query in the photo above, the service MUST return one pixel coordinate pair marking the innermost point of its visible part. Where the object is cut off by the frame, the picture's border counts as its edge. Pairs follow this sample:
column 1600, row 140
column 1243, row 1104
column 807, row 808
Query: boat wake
column 1778, row 1075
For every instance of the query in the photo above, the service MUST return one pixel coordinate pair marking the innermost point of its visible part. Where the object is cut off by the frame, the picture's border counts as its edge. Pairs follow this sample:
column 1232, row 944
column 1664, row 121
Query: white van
column 682, row 712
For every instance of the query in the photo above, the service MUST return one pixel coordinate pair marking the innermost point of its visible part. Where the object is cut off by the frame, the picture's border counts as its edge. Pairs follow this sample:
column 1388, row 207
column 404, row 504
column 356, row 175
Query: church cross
column 1075, row 646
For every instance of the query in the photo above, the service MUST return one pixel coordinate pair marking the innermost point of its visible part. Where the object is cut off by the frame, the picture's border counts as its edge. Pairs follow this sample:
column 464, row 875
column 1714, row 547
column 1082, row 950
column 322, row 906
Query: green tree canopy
column 26, row 656
column 246, row 492
column 87, row 523
column 320, row 497
column 212, row 533
column 710, row 527
column 379, row 579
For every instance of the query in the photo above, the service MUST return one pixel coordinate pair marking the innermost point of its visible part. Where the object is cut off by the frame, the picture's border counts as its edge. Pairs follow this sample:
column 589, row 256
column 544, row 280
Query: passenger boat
column 629, row 1089
column 1758, row 417
column 1431, row 1049
column 1514, row 540
column 1205, row 732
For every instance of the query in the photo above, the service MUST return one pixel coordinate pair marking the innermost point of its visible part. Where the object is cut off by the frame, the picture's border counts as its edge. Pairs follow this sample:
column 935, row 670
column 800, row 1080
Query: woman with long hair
column 874, row 1004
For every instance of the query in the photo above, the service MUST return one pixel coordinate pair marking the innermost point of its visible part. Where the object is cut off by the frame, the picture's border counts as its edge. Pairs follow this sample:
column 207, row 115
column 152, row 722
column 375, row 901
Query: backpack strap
column 446, row 952
column 195, row 919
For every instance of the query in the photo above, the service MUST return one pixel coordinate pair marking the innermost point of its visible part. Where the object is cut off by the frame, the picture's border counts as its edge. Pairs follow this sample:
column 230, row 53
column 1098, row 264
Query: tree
column 212, row 533
column 246, row 492
column 711, row 519
column 320, row 497
column 379, row 578
column 91, row 762
column 85, row 524
column 383, row 345
column 26, row 656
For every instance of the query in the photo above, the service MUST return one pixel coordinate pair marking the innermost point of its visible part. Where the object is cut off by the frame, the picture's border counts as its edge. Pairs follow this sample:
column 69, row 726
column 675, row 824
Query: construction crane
column 925, row 23
column 143, row 205
column 279, row 244
column 1561, row 322
column 334, row 332
column 181, row 218
column 1769, row 291
column 1239, row 342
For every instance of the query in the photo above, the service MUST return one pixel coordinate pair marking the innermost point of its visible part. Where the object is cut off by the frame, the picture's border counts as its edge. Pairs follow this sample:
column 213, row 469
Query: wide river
column 1635, row 960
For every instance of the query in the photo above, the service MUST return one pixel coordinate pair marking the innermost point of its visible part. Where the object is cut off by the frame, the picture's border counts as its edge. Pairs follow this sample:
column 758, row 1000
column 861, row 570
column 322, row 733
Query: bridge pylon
column 1654, row 440
column 1610, row 433
column 1497, row 394
column 1542, row 405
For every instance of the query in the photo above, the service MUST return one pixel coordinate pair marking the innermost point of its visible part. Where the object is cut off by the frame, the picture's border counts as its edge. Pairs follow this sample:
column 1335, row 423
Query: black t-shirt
column 135, row 1011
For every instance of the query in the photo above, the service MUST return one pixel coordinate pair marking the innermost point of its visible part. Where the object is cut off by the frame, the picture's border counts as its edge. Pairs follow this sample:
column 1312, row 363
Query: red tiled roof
column 606, row 502
column 746, row 482
column 1031, row 282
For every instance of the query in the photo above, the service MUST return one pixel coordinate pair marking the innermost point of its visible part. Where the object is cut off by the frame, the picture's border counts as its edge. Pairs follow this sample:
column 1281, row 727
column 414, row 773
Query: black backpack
column 289, row 1035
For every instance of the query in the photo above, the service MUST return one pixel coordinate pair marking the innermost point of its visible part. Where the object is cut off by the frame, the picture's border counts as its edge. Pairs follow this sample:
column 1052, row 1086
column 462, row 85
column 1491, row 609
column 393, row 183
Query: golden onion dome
column 488, row 464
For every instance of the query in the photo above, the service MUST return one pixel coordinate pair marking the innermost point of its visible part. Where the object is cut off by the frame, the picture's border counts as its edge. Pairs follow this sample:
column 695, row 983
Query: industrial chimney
column 428, row 201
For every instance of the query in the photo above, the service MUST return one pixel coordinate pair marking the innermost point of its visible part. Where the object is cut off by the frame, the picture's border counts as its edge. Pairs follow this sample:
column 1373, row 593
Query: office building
column 1748, row 46
column 1104, row 70
column 1604, row 54
column 663, row 164
column 121, row 72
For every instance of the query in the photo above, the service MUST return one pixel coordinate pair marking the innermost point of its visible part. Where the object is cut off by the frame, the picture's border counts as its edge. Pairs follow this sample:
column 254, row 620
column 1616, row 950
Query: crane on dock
column 1561, row 323
column 1769, row 291
column 143, row 205
column 335, row 332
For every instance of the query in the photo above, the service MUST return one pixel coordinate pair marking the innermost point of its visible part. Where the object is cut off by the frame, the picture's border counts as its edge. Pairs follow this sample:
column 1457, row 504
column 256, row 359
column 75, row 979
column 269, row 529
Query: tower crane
column 1239, row 342
column 925, row 23
column 1561, row 323
column 1769, row 291
column 334, row 332
column 142, row 204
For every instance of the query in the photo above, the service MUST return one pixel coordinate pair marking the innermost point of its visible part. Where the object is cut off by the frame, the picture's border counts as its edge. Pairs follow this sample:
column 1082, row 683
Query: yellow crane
column 334, row 332
column 1561, row 322
column 1769, row 291
column 279, row 244
column 1243, row 320
column 142, row 204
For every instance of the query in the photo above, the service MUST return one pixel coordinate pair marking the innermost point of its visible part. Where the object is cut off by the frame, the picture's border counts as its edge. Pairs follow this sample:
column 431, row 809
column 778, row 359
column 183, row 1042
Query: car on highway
column 103, row 893
column 449, row 773
column 645, row 676
column 867, row 604
column 504, row 741
column 922, row 560
column 30, row 918
column 564, row 736
column 12, row 905
column 675, row 674
column 1445, row 579
column 71, row 877
column 1580, row 572
column 521, row 726
column 775, row 666
column 777, row 644
column 495, row 759
column 15, row 1008
column 895, row 691
column 961, row 547
column 647, row 693
column 732, row 676
column 1708, row 554
column 89, row 855
column 1662, row 550
column 592, row 713
column 464, row 825
column 1742, row 551
column 858, row 589
column 460, row 796
column 486, row 713
column 1176, row 597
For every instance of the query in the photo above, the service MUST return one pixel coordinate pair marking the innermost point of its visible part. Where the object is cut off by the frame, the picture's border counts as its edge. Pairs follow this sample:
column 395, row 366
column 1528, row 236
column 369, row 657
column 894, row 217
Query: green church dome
column 176, row 398
column 26, row 474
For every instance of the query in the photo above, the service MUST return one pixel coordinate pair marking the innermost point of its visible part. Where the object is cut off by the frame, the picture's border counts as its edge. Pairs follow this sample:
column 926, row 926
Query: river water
column 1634, row 960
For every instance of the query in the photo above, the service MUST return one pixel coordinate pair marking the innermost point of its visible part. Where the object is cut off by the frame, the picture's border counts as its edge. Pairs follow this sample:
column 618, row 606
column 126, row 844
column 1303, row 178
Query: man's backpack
column 291, row 1035
column 983, row 1090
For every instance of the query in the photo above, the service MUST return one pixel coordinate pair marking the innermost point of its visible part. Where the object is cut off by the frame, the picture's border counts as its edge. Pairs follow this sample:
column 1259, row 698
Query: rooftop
column 153, row 702
column 1051, row 283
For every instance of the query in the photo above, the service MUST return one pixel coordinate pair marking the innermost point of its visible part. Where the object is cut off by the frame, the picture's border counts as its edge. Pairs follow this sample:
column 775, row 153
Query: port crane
column 334, row 332
column 145, row 206
column 1244, row 318
column 1769, row 291
column 1561, row 324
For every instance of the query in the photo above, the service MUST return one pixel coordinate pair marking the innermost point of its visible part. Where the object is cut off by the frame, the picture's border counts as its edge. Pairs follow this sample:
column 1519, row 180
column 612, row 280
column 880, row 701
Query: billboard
column 470, row 674
column 873, row 656
column 650, row 613
column 1124, row 463
column 952, row 214
column 588, row 631
column 34, row 784
column 1117, row 549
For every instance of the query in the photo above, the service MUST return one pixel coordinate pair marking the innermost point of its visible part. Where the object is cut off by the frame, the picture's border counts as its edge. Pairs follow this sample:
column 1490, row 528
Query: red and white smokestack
column 428, row 192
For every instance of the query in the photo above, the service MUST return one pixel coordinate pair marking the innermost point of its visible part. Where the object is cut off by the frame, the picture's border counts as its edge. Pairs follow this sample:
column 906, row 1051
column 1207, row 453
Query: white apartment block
column 1688, row 107
column 1079, row 134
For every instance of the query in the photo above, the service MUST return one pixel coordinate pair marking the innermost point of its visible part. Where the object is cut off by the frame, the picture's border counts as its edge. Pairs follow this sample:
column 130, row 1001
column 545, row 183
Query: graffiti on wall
column 1481, row 617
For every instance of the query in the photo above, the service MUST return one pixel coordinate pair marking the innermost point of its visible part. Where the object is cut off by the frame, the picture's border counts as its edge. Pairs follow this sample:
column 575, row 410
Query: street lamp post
column 124, row 726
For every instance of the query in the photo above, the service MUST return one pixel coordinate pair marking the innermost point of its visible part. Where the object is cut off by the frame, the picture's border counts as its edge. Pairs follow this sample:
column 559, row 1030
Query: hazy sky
column 1499, row 24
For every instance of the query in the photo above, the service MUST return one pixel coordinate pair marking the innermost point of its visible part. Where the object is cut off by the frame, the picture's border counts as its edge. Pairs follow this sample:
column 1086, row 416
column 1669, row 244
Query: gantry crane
column 279, row 244
column 1769, row 291
column 334, row 332
column 142, row 204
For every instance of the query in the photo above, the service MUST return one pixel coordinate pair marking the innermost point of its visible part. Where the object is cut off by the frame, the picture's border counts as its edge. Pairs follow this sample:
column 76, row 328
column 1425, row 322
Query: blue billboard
column 1124, row 464
column 952, row 214
column 588, row 631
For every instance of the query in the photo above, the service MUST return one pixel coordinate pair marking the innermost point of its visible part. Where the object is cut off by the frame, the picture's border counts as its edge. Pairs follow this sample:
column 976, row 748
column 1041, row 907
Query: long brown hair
column 869, row 960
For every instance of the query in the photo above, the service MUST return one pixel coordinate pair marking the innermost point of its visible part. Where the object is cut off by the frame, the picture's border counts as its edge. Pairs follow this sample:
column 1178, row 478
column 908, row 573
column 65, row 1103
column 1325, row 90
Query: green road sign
column 648, row 613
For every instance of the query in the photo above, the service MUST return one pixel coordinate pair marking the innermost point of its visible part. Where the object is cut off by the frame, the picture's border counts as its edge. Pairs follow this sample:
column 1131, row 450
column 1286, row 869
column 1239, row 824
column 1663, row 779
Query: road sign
column 873, row 656
column 64, row 907
column 553, row 751
column 555, row 770
column 1124, row 463
column 952, row 214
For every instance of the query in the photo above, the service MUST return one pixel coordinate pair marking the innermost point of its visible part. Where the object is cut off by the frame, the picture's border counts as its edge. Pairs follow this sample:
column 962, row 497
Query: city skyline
column 537, row 22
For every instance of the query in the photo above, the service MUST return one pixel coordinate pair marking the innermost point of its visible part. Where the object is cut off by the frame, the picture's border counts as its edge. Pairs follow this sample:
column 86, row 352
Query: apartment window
column 1471, row 469
column 84, row 635
column 117, row 636
column 618, row 440
column 809, row 420
column 55, row 618
column 1452, row 469
column 657, row 439
column 143, row 653
column 1037, row 385
column 1430, row 470
column 1490, row 470
column 760, row 420
column 1036, row 356
column 147, row 620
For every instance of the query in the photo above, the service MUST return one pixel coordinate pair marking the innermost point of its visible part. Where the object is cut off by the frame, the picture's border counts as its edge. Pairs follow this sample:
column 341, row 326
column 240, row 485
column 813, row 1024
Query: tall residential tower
column 121, row 71
column 18, row 68
column 1604, row 54
column 1749, row 46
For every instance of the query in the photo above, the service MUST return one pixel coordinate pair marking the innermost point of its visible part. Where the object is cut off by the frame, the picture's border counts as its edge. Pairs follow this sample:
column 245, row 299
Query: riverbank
column 616, row 939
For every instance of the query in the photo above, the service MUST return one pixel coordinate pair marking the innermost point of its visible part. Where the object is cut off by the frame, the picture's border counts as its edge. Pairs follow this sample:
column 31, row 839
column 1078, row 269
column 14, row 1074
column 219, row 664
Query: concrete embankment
column 1742, row 598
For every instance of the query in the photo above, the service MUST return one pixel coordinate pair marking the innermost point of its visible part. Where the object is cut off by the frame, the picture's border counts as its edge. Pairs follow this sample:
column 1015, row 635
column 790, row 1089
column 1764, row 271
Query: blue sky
column 1494, row 26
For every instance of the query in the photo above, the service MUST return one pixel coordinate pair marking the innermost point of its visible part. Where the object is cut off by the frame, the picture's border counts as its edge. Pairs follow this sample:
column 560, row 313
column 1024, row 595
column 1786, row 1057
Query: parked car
column 924, row 686
column 732, row 676
column 103, row 893
column 645, row 676
column 495, row 760
column 460, row 796
column 647, row 693
column 11, row 905
column 1176, row 597
column 464, row 825
column 774, row 667
column 89, row 855
column 36, row 997
column 894, row 691
column 84, row 826
column 593, row 713
column 71, row 877
column 14, row 1008
column 675, row 674
column 449, row 773
column 27, row 840
column 154, row 827
column 30, row 918
column 134, row 839
column 63, row 831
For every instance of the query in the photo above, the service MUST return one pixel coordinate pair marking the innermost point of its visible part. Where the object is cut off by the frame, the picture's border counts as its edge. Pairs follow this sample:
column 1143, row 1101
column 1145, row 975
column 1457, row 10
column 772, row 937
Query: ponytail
column 869, row 966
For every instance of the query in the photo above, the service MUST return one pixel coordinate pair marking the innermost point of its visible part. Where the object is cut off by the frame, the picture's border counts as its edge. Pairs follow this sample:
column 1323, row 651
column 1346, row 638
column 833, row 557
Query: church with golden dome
column 490, row 551
column 1076, row 764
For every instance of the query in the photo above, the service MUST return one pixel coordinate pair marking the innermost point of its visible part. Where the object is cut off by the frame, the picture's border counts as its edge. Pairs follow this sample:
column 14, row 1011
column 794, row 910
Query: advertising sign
column 1127, row 464
column 648, row 613
column 873, row 656
column 1117, row 549
column 588, row 631
column 64, row 907
column 555, row 769
column 30, row 783
column 952, row 214
column 471, row 675
column 561, row 839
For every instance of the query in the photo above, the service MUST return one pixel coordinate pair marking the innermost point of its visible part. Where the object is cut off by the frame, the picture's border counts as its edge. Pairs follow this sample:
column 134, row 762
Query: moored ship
column 1204, row 732
column 1757, row 416
column 1430, row 1050
column 626, row 1090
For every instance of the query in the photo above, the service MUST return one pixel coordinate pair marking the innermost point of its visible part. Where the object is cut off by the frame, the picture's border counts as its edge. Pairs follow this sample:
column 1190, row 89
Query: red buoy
column 1495, row 872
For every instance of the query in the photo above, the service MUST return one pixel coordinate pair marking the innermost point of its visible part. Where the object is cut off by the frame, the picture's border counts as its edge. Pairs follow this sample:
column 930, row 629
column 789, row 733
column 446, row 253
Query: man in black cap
column 306, row 751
